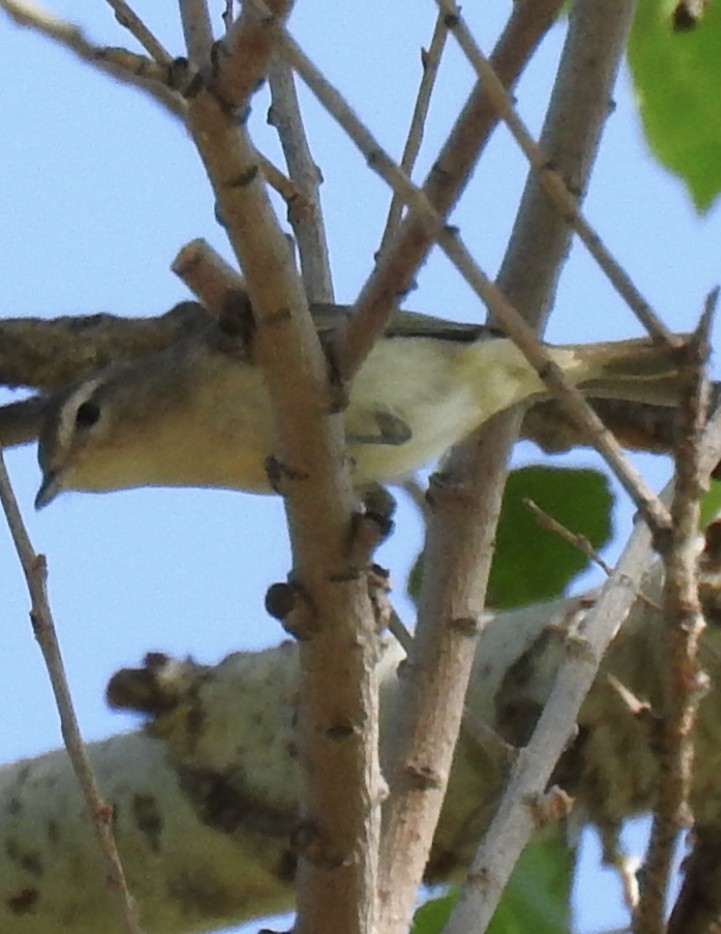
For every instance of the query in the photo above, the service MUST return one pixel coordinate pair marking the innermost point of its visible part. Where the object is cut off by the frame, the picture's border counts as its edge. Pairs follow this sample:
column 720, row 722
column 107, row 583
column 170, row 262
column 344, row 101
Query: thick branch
column 210, row 792
column 48, row 354
column 338, row 738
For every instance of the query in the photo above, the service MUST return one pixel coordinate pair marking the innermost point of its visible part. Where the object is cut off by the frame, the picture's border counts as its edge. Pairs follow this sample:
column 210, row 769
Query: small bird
column 198, row 413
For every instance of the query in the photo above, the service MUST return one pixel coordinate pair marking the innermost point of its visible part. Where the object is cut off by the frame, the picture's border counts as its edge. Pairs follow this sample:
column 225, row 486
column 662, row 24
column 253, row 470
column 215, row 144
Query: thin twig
column 552, row 180
column 128, row 18
column 684, row 683
column 625, row 865
column 99, row 811
column 305, row 215
column 573, row 538
column 430, row 61
column 280, row 182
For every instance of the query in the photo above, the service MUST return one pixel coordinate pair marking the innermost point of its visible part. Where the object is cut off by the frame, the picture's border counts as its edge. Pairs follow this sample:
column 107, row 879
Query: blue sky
column 101, row 189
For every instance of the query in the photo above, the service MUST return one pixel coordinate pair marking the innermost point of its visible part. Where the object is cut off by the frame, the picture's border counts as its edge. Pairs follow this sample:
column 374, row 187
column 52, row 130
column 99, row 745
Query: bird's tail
column 637, row 370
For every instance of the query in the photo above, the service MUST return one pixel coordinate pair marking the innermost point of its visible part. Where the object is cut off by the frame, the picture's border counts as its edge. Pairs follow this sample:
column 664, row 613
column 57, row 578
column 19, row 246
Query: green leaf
column 531, row 562
column 677, row 76
column 431, row 917
column 536, row 900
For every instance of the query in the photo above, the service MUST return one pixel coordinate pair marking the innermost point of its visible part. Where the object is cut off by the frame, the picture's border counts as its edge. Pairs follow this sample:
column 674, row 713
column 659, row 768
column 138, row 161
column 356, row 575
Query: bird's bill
column 49, row 488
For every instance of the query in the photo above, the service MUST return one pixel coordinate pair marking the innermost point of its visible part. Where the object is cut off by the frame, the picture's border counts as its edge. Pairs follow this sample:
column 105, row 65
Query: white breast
column 442, row 391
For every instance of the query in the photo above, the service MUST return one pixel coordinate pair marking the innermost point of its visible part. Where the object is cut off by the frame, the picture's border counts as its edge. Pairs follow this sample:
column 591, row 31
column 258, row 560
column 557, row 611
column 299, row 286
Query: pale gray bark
column 206, row 798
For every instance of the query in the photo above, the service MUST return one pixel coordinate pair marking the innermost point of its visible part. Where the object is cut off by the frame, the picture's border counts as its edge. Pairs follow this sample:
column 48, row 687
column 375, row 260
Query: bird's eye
column 87, row 415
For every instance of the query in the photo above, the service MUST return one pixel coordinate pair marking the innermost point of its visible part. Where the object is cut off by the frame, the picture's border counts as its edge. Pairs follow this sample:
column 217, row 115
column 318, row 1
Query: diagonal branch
column 128, row 18
column 397, row 266
column 100, row 812
column 71, row 37
column 551, row 179
column 430, row 61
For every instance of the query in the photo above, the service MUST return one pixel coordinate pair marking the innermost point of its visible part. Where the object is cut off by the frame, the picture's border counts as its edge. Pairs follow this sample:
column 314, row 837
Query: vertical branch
column 305, row 213
column 99, row 812
column 462, row 515
column 683, row 681
column 197, row 30
column 337, row 841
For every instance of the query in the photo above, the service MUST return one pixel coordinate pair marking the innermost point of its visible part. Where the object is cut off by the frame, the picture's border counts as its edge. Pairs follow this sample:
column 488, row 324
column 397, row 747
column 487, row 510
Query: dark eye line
column 87, row 415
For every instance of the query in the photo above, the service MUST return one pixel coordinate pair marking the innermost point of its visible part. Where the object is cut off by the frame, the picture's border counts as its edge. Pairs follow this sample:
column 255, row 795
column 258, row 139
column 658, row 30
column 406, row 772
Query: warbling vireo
column 197, row 414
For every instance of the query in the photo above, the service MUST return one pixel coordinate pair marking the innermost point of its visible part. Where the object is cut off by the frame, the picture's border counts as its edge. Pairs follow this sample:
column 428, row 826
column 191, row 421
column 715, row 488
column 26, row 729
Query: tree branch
column 684, row 682
column 550, row 179
column 397, row 266
column 129, row 19
column 430, row 61
column 461, row 535
column 98, row 813
column 214, row 769
column 305, row 214
column 71, row 37
column 338, row 836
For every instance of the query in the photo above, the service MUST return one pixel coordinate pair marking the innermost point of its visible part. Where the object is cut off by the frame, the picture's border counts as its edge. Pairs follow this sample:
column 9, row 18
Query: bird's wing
column 327, row 317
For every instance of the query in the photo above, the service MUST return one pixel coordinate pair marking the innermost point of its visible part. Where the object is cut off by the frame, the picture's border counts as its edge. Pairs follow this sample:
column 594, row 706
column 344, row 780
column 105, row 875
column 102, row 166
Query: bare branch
column 48, row 354
column 127, row 17
column 197, row 30
column 462, row 537
column 684, row 683
column 430, row 60
column 306, row 215
column 394, row 272
column 242, row 59
column 71, row 37
column 338, row 841
column 581, row 542
column 20, row 421
column 552, row 180
column 208, row 275
column 99, row 812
